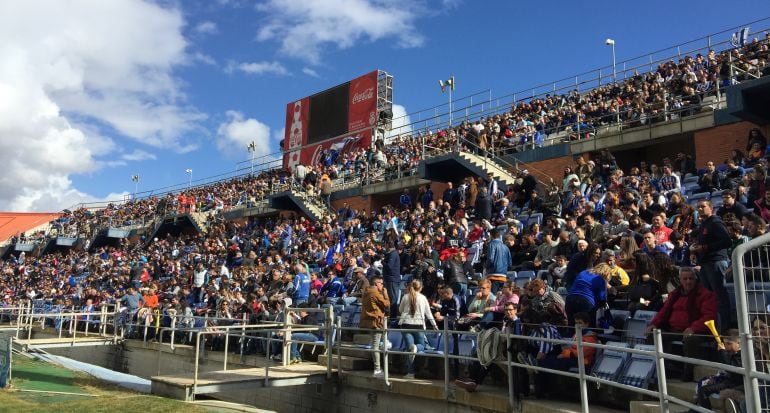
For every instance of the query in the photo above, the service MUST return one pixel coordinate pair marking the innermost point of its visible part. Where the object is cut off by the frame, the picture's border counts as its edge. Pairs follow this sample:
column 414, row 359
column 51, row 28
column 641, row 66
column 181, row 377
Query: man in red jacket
column 683, row 316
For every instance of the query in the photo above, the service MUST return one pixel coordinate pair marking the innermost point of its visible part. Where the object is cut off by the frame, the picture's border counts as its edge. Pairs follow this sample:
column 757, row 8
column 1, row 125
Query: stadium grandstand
column 610, row 231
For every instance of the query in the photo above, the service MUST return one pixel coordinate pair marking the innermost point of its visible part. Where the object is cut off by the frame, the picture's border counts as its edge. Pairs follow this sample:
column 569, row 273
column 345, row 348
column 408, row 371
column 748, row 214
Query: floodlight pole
column 252, row 148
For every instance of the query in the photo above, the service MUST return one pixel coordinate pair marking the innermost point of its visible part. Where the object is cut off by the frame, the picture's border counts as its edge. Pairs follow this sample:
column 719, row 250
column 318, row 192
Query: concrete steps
column 488, row 165
column 653, row 407
column 558, row 406
column 348, row 362
column 312, row 205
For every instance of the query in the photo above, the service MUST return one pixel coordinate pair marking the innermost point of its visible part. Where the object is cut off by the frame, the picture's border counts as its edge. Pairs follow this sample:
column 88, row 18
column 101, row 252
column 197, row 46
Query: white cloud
column 75, row 73
column 207, row 27
column 402, row 123
column 204, row 58
column 237, row 132
column 139, row 155
column 257, row 68
column 310, row 72
column 304, row 28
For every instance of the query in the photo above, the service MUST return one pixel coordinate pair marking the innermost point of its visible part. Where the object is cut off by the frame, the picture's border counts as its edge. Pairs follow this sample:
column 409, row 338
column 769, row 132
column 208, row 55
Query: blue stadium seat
column 639, row 370
column 396, row 340
column 694, row 198
column 526, row 274
column 690, row 178
column 609, row 363
column 634, row 331
column 645, row 315
column 535, row 218
column 521, row 281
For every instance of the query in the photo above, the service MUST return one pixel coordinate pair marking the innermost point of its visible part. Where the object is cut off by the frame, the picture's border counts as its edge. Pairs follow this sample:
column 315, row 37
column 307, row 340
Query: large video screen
column 328, row 114
column 341, row 118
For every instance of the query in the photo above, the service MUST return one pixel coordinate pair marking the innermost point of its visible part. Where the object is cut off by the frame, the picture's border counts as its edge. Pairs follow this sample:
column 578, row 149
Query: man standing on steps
column 498, row 261
column 391, row 272
column 326, row 191
column 374, row 305
column 450, row 193
column 711, row 250
column 492, row 186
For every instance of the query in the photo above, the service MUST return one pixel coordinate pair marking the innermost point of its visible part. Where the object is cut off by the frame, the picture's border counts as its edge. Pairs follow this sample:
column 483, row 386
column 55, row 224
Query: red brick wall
column 355, row 202
column 553, row 168
column 715, row 144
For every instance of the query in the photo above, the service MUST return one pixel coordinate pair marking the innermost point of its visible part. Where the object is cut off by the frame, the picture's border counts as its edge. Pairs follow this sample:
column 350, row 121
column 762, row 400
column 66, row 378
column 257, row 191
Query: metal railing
column 751, row 280
column 582, row 376
column 281, row 332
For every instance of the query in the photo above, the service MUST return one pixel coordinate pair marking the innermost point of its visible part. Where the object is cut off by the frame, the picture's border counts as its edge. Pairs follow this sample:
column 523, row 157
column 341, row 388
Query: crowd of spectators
column 605, row 236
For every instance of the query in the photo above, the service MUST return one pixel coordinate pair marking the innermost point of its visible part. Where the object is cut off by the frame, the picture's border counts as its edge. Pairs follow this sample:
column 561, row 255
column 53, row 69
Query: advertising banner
column 297, row 115
column 362, row 106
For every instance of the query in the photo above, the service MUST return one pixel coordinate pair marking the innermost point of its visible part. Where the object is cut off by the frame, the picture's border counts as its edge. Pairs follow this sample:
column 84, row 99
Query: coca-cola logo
column 363, row 95
column 316, row 158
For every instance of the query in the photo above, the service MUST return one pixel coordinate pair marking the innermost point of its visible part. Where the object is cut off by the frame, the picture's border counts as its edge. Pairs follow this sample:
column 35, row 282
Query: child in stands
column 568, row 358
column 729, row 353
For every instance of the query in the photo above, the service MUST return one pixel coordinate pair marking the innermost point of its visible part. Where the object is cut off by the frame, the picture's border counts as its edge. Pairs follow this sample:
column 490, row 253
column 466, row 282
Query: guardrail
column 281, row 332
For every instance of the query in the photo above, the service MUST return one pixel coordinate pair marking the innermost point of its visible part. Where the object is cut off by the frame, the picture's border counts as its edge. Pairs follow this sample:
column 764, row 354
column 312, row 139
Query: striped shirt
column 545, row 331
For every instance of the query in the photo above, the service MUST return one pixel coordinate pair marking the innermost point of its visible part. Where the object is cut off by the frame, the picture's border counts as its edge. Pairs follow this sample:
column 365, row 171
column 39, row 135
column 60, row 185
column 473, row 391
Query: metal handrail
column 239, row 330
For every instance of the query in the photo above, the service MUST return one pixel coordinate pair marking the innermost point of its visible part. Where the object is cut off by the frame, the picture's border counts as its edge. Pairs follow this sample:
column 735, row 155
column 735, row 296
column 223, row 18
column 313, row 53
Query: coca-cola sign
column 362, row 96
column 363, row 103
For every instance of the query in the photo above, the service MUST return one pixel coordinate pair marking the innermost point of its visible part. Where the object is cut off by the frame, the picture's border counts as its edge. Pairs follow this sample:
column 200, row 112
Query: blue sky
column 94, row 92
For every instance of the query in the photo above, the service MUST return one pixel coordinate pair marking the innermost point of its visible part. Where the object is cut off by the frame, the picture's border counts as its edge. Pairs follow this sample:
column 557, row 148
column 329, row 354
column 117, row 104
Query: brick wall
column 355, row 202
column 715, row 144
column 550, row 167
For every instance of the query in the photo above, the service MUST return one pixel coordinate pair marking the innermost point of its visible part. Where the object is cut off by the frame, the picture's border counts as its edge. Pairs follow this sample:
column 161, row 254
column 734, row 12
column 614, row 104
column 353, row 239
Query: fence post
column 581, row 370
column 197, row 360
column 227, row 346
column 329, row 342
column 446, row 358
column 243, row 334
column 173, row 332
column 511, row 377
column 660, row 364
column 384, row 343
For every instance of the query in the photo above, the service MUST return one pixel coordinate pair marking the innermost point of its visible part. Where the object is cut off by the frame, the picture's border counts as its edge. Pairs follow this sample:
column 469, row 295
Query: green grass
column 43, row 377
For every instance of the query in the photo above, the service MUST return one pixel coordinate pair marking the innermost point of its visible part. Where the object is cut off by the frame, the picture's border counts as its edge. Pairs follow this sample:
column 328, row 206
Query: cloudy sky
column 93, row 92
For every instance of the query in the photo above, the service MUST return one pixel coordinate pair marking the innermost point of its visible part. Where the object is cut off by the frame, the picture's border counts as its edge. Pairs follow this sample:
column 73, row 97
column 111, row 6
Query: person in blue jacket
column 588, row 292
column 301, row 286
column 333, row 290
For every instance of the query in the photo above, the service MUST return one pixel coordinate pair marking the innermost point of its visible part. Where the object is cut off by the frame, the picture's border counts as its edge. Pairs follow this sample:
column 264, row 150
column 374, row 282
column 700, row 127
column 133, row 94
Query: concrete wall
column 358, row 393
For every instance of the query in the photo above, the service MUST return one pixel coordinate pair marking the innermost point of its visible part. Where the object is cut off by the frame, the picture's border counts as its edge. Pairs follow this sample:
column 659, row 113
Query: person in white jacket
column 414, row 309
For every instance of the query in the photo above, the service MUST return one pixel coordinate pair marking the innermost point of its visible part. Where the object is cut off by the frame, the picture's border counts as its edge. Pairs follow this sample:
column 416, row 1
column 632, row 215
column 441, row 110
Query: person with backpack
column 488, row 349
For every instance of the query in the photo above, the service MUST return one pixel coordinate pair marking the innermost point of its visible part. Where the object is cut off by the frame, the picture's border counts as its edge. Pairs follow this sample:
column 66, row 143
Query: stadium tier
column 596, row 226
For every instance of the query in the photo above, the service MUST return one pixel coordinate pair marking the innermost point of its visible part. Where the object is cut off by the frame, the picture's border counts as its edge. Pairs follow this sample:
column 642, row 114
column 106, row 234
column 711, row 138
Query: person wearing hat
column 358, row 288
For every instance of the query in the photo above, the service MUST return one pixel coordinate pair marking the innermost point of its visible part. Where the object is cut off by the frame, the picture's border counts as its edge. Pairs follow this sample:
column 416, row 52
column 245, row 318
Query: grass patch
column 107, row 397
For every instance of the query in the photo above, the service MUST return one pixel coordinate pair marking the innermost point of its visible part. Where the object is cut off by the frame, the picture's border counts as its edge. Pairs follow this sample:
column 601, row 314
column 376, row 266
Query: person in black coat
column 483, row 205
column 731, row 205
column 450, row 193
column 391, row 275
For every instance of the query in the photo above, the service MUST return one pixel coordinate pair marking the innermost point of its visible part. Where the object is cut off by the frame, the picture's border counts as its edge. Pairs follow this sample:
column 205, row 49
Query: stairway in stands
column 488, row 165
column 200, row 220
column 311, row 205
